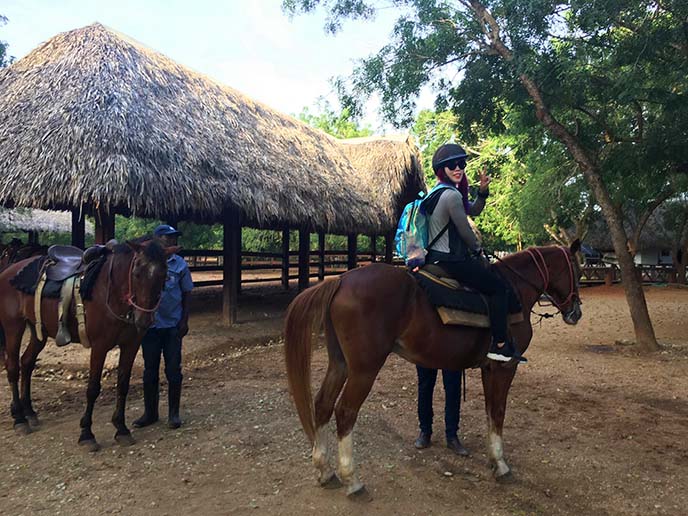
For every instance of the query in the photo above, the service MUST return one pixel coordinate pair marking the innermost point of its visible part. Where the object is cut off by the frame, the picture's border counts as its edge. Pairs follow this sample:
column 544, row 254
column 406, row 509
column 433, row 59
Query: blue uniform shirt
column 178, row 281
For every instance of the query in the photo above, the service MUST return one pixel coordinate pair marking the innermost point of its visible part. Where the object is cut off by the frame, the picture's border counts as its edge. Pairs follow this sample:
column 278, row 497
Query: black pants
column 165, row 341
column 474, row 275
column 452, row 399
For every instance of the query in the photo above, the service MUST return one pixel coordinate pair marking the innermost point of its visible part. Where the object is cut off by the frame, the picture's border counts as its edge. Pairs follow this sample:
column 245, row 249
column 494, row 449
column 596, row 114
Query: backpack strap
column 445, row 228
column 438, row 236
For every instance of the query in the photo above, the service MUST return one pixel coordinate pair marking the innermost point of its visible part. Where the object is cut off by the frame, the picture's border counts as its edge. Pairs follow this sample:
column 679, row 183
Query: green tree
column 339, row 125
column 604, row 80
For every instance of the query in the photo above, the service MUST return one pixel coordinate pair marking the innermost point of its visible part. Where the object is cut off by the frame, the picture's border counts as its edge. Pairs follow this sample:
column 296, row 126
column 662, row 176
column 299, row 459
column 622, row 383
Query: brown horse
column 373, row 311
column 122, row 306
column 13, row 253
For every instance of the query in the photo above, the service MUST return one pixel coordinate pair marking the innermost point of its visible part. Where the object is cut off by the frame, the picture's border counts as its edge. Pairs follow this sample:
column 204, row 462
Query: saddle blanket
column 463, row 306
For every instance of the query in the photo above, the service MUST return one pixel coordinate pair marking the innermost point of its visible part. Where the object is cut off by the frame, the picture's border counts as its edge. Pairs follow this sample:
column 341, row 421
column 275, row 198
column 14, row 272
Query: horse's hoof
column 124, row 439
column 506, row 478
column 33, row 420
column 22, row 429
column 360, row 494
column 90, row 445
column 332, row 482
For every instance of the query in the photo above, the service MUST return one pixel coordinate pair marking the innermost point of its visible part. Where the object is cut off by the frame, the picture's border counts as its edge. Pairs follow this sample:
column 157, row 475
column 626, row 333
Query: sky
column 250, row 45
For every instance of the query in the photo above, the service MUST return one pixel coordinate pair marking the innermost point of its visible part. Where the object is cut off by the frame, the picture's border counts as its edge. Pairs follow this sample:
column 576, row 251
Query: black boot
column 455, row 445
column 151, row 394
column 423, row 440
column 505, row 352
column 174, row 395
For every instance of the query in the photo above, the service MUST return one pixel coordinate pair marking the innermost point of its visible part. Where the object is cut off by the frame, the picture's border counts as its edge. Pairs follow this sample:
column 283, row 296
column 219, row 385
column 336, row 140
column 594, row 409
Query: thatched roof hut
column 92, row 118
column 655, row 234
column 24, row 219
column 392, row 168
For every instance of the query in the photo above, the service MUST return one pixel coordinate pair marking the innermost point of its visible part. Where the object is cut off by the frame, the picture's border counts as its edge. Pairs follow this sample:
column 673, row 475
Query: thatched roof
column 92, row 118
column 23, row 219
column 391, row 166
column 655, row 235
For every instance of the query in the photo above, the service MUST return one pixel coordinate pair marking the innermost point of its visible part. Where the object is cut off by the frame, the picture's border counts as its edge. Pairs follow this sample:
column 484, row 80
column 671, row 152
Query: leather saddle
column 64, row 261
column 473, row 312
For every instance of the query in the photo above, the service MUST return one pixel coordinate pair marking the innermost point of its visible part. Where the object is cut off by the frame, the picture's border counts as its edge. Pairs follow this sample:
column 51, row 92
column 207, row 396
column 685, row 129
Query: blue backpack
column 411, row 239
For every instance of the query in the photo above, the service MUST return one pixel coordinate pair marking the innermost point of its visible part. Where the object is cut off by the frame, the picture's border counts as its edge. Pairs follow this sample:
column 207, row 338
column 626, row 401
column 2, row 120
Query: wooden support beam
column 321, row 256
column 389, row 247
column 231, row 265
column 351, row 249
column 304, row 258
column 373, row 248
column 105, row 225
column 285, row 258
column 78, row 229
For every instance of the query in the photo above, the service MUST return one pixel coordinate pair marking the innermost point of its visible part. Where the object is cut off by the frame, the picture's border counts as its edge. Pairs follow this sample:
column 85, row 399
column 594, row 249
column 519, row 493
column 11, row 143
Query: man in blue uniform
column 165, row 336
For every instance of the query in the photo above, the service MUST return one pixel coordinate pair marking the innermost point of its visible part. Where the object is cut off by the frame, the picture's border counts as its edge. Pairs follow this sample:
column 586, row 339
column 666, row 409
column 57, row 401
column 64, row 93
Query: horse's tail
column 305, row 316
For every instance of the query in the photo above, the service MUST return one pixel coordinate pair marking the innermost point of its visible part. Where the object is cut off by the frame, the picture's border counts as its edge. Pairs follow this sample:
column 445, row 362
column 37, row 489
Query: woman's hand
column 484, row 180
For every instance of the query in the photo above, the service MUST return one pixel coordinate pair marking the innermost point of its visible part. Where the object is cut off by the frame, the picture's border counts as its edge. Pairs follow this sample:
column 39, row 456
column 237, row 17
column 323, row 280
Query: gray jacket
column 446, row 206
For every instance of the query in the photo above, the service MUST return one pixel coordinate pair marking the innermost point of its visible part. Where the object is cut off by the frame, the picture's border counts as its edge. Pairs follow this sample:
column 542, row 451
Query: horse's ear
column 575, row 247
column 172, row 249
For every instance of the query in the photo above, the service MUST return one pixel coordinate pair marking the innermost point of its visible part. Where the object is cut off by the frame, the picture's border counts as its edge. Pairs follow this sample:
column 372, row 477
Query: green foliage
column 338, row 125
column 612, row 73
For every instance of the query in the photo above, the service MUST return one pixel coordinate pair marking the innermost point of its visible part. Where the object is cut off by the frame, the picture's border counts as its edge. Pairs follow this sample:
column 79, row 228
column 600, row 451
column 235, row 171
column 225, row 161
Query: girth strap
column 37, row 305
column 81, row 314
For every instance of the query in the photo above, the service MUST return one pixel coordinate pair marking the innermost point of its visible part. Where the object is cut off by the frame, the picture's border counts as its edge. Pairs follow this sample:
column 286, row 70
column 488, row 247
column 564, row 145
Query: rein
column 128, row 297
column 541, row 265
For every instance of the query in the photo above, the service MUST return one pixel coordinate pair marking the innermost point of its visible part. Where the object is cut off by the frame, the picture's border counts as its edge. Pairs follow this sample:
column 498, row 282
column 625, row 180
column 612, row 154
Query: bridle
column 128, row 297
column 541, row 265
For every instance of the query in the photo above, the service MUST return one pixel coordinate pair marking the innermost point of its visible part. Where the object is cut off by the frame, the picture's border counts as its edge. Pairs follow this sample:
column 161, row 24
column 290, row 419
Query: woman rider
column 457, row 250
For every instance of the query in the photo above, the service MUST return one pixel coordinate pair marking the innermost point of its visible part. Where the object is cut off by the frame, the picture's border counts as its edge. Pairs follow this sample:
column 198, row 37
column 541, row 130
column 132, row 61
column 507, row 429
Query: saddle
column 457, row 304
column 59, row 275
column 64, row 261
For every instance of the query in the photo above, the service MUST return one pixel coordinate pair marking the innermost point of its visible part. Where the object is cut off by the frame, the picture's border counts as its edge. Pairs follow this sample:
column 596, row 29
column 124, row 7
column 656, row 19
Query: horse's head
column 563, row 285
column 147, row 275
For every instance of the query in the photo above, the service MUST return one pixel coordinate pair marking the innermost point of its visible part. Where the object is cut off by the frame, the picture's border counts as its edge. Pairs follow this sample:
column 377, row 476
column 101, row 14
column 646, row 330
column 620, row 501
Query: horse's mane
column 154, row 251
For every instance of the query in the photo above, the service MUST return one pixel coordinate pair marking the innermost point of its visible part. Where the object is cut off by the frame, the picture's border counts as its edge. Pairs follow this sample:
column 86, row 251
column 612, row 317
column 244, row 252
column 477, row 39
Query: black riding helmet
column 446, row 153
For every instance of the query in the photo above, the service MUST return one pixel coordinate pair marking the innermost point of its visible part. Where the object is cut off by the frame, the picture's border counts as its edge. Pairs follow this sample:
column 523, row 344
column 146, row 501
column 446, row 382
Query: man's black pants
column 452, row 399
column 165, row 341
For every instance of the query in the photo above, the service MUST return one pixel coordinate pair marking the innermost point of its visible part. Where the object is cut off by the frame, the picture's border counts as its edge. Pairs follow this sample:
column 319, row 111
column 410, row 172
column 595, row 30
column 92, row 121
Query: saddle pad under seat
column 439, row 294
column 26, row 280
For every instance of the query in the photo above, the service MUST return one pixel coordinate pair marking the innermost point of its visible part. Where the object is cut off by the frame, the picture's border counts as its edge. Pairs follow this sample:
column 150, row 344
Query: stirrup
column 506, row 353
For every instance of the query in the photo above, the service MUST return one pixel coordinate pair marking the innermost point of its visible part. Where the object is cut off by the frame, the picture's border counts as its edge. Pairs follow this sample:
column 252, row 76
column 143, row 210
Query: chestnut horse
column 371, row 312
column 122, row 306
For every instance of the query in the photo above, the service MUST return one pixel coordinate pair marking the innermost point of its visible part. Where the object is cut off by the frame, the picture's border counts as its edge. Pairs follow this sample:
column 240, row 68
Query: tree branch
column 634, row 241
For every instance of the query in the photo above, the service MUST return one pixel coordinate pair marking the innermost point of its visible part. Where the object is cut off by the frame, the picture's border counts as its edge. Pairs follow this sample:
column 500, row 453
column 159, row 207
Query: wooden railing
column 609, row 274
column 263, row 267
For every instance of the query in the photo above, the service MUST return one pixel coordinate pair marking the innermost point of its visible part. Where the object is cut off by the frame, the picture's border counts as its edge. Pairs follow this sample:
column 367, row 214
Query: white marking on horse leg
column 320, row 457
column 346, row 464
column 496, row 452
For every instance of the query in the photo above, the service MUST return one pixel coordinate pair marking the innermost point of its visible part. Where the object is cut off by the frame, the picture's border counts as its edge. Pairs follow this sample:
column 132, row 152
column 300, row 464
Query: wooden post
column 78, row 229
column 304, row 258
column 373, row 248
column 105, row 225
column 351, row 250
column 609, row 277
column 231, row 273
column 33, row 237
column 321, row 255
column 285, row 258
column 389, row 247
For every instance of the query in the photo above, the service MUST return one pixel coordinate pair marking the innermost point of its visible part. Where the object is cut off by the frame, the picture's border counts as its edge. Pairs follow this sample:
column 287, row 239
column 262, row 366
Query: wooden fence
column 263, row 267
column 609, row 274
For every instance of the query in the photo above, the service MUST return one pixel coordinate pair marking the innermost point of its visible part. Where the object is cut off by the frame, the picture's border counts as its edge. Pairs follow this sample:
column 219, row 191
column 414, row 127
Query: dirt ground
column 592, row 428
